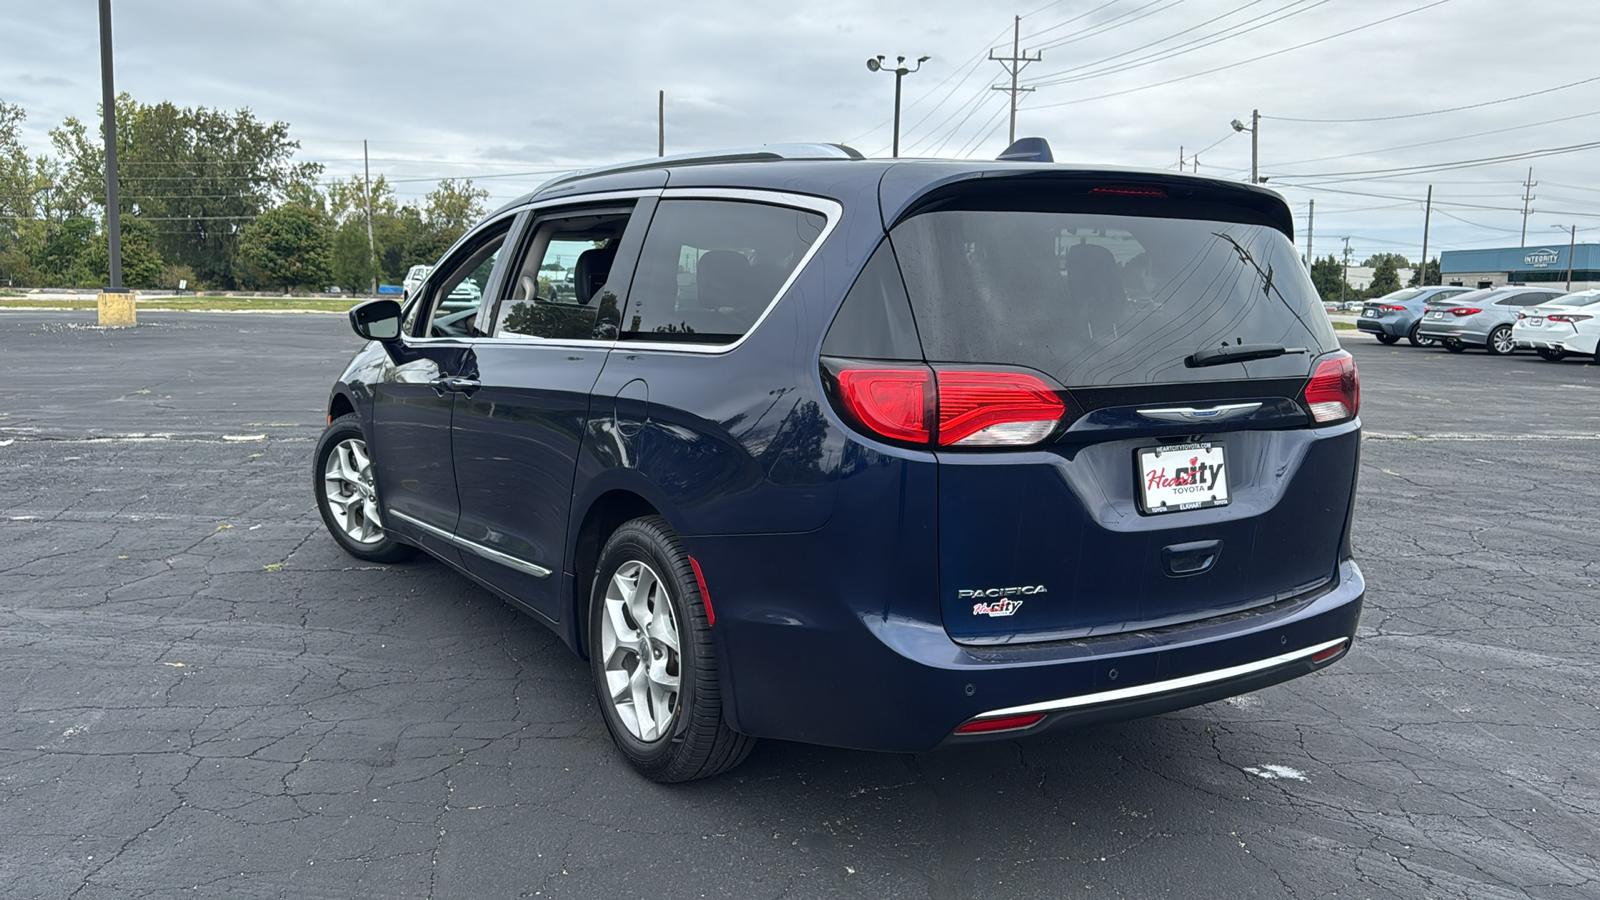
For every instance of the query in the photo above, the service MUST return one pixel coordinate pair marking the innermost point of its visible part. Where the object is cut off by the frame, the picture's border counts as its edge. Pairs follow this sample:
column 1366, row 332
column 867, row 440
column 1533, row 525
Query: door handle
column 455, row 384
column 1190, row 559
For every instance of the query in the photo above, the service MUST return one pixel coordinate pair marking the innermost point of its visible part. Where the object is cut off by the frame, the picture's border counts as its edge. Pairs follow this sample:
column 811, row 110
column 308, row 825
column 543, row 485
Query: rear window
column 1098, row 299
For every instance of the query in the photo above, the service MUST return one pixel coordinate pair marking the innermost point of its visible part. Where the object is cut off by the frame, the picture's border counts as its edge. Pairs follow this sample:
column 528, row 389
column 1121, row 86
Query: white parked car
column 1545, row 328
column 1586, row 337
column 414, row 277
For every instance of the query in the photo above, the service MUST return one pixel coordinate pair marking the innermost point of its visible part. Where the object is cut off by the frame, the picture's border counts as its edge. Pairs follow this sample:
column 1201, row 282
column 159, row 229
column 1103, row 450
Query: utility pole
column 899, row 72
column 366, row 190
column 1427, row 217
column 1311, row 223
column 1527, row 197
column 1344, row 280
column 115, row 304
column 1572, row 247
column 661, row 123
column 1180, row 157
column 1014, row 64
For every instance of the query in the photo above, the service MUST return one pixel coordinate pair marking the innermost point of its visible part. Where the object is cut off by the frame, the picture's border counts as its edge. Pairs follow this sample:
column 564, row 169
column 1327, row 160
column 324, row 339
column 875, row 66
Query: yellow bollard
column 116, row 309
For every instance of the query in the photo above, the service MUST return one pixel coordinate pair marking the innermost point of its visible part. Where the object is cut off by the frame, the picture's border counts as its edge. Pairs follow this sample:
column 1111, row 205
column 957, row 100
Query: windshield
column 1096, row 299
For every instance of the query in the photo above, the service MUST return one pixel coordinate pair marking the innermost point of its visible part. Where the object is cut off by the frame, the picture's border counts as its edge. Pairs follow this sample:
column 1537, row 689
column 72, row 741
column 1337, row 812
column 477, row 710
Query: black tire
column 1387, row 339
column 1418, row 340
column 1454, row 346
column 1551, row 355
column 1499, row 342
column 384, row 548
column 698, row 742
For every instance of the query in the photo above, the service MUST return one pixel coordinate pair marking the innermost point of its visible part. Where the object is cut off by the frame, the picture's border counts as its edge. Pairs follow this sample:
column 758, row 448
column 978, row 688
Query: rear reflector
column 1323, row 656
column 891, row 402
column 1334, row 392
column 705, row 595
column 1005, row 723
column 995, row 409
column 1465, row 311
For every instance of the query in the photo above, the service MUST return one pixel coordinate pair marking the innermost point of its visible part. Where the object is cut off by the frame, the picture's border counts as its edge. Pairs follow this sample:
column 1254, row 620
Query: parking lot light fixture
column 876, row 64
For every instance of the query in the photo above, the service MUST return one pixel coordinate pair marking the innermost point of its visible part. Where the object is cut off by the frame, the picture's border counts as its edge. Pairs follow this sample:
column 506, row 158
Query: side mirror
column 376, row 320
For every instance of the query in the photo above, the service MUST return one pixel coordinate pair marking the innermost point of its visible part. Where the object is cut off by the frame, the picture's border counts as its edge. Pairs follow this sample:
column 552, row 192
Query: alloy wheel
column 1501, row 341
column 640, row 651
column 348, row 487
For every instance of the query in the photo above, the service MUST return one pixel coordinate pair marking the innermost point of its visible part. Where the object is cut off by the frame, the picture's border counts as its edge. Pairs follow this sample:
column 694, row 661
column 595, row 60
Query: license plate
column 1182, row 476
column 1370, row 313
column 1438, row 315
column 1536, row 320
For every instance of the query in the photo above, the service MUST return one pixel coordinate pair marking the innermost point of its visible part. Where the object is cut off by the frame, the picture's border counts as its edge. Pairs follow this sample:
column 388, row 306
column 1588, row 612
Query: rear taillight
column 1393, row 308
column 892, row 403
column 1334, row 392
column 950, row 407
column 1465, row 311
column 995, row 409
column 1570, row 319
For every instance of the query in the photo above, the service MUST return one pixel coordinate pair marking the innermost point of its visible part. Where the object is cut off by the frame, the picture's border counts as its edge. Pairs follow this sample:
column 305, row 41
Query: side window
column 455, row 289
column 1532, row 298
column 559, row 288
column 710, row 268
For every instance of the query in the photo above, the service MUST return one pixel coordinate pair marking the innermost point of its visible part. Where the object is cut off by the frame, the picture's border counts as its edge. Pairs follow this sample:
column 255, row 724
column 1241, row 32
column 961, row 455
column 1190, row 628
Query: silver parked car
column 1481, row 318
column 1545, row 328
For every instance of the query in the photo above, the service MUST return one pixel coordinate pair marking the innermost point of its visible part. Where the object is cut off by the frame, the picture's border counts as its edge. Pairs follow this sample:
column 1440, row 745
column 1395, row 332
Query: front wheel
column 1551, row 355
column 1500, row 343
column 347, row 497
column 1419, row 340
column 1387, row 339
column 654, row 665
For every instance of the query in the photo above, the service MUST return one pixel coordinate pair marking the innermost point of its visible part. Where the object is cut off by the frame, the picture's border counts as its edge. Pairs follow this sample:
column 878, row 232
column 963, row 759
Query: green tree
column 1397, row 259
column 1385, row 280
column 1327, row 274
column 141, row 261
column 1430, row 276
column 286, row 247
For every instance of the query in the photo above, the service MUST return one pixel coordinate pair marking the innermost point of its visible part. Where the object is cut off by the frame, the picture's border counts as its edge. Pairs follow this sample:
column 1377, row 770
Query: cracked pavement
column 204, row 697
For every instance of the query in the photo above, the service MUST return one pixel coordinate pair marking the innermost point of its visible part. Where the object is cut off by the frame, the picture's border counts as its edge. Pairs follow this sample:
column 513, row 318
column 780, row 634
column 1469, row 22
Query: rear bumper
column 880, row 682
column 1396, row 326
column 1581, row 343
column 1444, row 332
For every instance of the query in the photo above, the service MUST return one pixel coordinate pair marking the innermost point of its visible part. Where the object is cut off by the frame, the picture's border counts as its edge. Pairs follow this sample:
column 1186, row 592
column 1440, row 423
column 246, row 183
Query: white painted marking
column 244, row 437
column 1273, row 772
column 1476, row 438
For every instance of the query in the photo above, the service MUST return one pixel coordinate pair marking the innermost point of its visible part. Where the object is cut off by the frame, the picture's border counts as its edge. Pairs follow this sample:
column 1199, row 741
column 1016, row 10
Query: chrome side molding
column 489, row 553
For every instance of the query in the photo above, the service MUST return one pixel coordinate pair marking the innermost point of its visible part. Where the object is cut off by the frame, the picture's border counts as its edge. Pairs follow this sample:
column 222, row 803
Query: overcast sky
column 506, row 92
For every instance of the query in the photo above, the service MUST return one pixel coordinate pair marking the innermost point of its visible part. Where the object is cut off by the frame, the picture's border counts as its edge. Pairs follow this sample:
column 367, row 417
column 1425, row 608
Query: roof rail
column 765, row 152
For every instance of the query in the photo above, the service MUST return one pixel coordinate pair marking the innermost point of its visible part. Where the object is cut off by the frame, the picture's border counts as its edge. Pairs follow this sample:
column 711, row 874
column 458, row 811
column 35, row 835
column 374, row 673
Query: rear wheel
column 654, row 666
column 1387, row 339
column 1418, row 340
column 1552, row 355
column 347, row 496
column 1500, row 343
column 1454, row 346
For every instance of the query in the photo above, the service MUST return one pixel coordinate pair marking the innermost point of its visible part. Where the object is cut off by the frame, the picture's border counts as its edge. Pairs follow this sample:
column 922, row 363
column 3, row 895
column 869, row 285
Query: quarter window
column 710, row 268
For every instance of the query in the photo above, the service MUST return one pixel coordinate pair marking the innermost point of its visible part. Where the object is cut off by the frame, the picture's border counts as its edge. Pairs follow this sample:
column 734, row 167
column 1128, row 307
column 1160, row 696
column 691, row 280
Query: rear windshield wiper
column 1230, row 353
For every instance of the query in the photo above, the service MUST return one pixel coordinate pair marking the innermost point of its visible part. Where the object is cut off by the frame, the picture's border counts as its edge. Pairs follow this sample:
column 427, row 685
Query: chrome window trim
column 489, row 553
column 1162, row 687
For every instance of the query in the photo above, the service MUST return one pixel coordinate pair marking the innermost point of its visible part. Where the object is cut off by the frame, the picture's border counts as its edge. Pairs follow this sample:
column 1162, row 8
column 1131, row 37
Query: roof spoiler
column 1028, row 149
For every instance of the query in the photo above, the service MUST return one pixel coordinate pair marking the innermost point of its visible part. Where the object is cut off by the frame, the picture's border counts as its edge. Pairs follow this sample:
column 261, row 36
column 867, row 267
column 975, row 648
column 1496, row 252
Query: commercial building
column 1543, row 265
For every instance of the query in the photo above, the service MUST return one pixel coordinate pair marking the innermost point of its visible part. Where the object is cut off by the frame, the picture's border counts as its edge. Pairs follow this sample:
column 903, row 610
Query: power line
column 1244, row 62
column 1111, row 24
column 1459, row 137
column 1435, row 112
column 1459, row 164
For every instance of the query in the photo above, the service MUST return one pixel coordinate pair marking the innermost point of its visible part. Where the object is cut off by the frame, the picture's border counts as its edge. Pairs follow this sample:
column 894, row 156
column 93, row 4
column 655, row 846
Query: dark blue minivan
column 878, row 454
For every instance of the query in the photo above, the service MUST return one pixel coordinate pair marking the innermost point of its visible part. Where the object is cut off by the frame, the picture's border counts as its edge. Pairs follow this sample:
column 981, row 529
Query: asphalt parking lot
column 205, row 697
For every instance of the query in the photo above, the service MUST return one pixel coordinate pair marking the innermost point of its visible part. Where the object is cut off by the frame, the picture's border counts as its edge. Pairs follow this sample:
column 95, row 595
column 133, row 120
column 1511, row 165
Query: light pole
column 1254, row 128
column 1572, row 246
column 116, row 305
column 900, row 71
